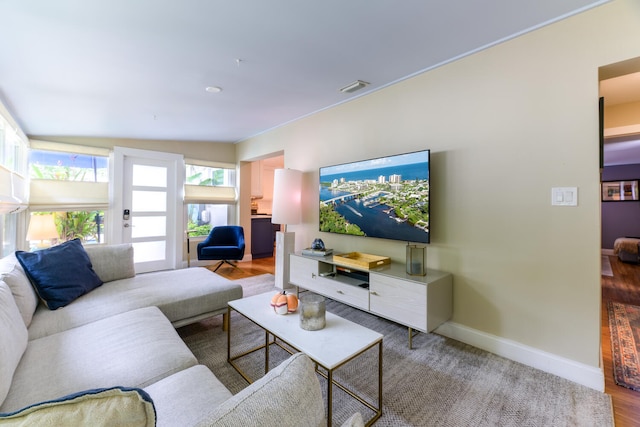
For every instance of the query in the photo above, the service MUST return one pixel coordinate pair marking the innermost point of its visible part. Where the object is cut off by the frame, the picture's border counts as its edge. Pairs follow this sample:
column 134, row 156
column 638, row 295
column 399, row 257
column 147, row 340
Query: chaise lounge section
column 113, row 354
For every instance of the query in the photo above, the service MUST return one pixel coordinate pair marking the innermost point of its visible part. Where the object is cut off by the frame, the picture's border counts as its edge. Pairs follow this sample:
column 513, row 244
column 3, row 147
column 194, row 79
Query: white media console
column 418, row 302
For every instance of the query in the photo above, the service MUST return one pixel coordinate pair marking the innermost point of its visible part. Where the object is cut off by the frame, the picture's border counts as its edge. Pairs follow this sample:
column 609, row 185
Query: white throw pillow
column 12, row 274
column 13, row 336
column 112, row 262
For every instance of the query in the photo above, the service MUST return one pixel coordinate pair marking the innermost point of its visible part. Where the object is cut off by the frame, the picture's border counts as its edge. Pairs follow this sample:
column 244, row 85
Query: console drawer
column 347, row 293
column 399, row 300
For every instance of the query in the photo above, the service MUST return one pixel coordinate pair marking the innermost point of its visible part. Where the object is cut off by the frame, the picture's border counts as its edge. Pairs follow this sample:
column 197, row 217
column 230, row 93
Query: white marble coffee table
column 339, row 342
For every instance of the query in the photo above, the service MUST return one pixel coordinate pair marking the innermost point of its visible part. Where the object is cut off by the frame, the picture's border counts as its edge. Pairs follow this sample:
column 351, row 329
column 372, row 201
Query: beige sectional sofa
column 112, row 356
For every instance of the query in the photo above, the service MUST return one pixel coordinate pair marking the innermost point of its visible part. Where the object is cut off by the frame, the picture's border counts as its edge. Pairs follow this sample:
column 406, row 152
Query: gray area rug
column 441, row 382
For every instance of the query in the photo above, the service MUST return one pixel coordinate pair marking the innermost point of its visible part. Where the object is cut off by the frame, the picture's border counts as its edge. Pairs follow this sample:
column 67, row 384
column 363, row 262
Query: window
column 203, row 217
column 68, row 166
column 13, row 185
column 87, row 226
column 210, row 196
column 8, row 230
column 70, row 182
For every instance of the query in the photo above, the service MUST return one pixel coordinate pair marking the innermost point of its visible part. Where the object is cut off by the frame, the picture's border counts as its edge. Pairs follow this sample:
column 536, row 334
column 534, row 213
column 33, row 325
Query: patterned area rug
column 624, row 323
column 441, row 382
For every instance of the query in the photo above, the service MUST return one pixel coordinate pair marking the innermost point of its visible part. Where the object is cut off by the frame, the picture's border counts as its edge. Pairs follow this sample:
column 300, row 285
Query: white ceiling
column 138, row 69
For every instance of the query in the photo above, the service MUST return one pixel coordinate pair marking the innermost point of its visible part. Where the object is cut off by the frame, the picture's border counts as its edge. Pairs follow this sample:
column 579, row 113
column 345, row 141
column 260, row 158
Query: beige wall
column 505, row 126
column 622, row 115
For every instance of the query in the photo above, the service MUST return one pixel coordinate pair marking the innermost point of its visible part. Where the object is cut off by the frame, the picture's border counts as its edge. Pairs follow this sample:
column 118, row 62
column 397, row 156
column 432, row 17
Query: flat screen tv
column 387, row 197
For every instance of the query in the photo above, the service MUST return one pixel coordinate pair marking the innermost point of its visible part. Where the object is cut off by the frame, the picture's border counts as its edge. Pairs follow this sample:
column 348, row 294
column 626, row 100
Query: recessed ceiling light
column 352, row 87
column 213, row 89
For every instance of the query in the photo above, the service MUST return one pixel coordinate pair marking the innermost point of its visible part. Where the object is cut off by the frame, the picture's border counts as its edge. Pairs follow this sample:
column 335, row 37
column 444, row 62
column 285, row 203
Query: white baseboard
column 607, row 251
column 580, row 373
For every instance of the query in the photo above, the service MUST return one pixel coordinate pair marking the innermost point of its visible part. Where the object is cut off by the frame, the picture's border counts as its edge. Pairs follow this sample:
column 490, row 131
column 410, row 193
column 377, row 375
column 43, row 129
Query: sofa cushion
column 12, row 274
column 132, row 349
column 101, row 407
column 60, row 274
column 112, row 262
column 184, row 397
column 13, row 338
column 288, row 395
column 180, row 294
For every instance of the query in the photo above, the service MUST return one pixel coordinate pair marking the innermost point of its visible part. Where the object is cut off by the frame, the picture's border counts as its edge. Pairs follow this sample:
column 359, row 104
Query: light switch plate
column 564, row 196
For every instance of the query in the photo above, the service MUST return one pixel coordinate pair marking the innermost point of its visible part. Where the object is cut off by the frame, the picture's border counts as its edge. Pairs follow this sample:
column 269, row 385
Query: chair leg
column 230, row 263
column 222, row 262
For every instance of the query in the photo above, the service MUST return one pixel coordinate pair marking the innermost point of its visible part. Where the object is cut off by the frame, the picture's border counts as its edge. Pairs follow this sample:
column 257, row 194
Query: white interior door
column 148, row 209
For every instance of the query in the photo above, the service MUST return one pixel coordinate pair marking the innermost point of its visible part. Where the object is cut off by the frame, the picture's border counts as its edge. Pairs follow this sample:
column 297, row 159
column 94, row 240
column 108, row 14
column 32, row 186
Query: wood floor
column 268, row 265
column 623, row 287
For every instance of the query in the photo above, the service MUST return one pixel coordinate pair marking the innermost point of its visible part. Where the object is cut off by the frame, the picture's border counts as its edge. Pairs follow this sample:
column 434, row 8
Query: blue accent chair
column 224, row 243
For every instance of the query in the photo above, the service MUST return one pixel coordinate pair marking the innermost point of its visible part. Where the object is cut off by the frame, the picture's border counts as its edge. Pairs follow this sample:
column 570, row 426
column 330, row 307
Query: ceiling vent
column 352, row 87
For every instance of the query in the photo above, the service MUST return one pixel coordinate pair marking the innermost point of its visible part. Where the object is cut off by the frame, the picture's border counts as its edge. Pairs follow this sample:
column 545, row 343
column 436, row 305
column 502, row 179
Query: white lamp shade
column 287, row 194
column 42, row 227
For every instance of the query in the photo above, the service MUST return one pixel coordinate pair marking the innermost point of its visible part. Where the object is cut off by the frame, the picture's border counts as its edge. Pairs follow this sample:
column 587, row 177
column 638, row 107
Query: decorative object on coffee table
column 312, row 312
column 284, row 303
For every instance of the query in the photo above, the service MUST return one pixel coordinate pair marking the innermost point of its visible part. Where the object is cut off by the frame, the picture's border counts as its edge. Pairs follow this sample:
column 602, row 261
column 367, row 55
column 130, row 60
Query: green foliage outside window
column 198, row 230
column 205, row 176
column 67, row 166
column 79, row 224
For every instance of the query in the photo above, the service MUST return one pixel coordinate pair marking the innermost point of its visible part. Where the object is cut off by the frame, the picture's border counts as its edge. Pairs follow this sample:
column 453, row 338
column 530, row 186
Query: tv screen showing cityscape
column 387, row 197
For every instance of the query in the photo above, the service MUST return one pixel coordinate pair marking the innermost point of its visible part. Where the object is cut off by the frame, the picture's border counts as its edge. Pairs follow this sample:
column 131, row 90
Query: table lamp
column 42, row 227
column 287, row 193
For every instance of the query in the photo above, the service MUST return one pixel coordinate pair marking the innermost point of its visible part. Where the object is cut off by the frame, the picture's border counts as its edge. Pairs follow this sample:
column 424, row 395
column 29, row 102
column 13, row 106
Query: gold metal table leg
column 328, row 375
column 266, row 351
column 329, row 397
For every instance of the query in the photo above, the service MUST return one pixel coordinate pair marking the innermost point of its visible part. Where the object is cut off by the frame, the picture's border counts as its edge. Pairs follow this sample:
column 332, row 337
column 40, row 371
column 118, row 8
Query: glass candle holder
column 415, row 260
column 312, row 312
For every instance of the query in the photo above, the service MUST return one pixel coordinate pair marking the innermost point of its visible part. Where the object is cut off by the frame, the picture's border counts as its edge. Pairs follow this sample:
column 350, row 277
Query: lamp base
column 285, row 245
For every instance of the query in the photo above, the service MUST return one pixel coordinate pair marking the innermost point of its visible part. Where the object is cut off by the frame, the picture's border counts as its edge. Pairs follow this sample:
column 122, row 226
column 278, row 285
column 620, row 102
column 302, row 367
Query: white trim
column 607, row 252
column 590, row 376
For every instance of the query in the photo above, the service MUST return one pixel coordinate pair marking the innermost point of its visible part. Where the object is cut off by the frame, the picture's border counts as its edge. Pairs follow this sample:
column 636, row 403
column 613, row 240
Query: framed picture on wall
column 620, row 191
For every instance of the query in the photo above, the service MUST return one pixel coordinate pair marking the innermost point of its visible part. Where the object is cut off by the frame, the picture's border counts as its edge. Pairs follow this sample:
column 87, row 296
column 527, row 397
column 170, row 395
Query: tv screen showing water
column 387, row 197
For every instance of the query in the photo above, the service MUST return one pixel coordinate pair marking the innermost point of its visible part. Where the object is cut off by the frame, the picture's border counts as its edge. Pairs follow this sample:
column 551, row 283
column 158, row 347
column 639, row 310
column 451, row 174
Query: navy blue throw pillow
column 60, row 274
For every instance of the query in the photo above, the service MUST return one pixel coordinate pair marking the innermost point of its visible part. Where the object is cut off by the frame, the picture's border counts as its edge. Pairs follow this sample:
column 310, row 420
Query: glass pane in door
column 148, row 226
column 149, row 201
column 149, row 176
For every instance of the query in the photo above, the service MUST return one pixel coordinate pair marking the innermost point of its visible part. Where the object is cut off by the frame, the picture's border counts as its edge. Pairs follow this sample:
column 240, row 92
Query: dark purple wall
column 620, row 219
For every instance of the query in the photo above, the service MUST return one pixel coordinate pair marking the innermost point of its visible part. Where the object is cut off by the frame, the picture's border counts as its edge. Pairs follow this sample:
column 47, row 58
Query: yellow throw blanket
column 118, row 406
